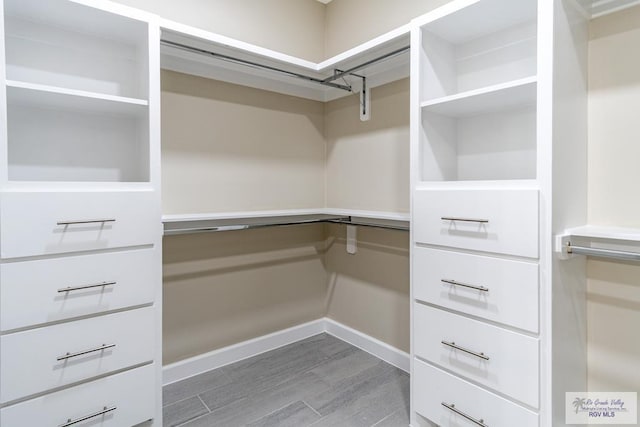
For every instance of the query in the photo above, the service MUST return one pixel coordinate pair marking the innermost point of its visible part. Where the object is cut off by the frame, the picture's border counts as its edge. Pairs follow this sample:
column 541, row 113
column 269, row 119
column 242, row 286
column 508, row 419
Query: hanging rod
column 603, row 253
column 218, row 225
column 328, row 81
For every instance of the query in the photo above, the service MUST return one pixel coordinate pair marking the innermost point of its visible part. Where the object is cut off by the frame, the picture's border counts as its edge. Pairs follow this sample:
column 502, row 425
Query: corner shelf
column 489, row 99
column 45, row 96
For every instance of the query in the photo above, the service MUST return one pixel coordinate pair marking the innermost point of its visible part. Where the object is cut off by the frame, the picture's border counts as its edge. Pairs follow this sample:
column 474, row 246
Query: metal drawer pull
column 465, row 285
column 79, row 288
column 86, row 221
column 80, row 353
column 473, row 353
column 453, row 408
column 449, row 218
column 105, row 410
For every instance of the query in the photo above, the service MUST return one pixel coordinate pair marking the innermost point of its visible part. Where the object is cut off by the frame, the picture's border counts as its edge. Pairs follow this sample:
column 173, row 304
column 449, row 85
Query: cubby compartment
column 67, row 45
column 488, row 43
column 63, row 139
column 494, row 145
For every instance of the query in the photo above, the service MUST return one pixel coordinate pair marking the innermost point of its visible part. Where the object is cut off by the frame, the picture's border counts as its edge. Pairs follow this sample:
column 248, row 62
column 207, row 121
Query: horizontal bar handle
column 465, row 285
column 457, row 347
column 80, row 353
column 450, row 218
column 80, row 288
column 86, row 221
column 104, row 410
column 604, row 253
column 452, row 407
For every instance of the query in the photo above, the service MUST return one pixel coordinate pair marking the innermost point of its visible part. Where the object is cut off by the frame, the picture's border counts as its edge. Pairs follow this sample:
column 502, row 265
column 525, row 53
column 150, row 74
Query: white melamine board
column 51, row 97
column 504, row 96
column 68, row 57
column 467, row 20
column 78, row 17
column 50, row 144
column 30, row 362
column 604, row 7
column 605, row 233
column 127, row 391
column 494, row 146
column 30, row 293
column 432, row 387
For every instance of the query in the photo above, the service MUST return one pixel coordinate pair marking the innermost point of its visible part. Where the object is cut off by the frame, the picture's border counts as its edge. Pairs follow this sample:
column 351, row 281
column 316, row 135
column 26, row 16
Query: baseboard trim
column 243, row 350
column 381, row 350
column 205, row 362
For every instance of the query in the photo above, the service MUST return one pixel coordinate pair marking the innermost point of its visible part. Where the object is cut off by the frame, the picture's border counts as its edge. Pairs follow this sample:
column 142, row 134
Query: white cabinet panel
column 32, row 222
column 129, row 392
column 432, row 387
column 29, row 360
column 32, row 292
column 508, row 289
column 505, row 361
column 500, row 221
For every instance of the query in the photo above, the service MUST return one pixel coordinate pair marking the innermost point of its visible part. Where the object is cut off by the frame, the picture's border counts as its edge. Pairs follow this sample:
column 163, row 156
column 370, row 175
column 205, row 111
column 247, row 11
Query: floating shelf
column 498, row 97
column 44, row 96
column 180, row 60
column 604, row 7
column 201, row 223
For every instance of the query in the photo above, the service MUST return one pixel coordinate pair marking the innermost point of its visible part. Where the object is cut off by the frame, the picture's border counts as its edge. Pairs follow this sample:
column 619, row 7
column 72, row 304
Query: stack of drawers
column 80, row 274
column 476, row 307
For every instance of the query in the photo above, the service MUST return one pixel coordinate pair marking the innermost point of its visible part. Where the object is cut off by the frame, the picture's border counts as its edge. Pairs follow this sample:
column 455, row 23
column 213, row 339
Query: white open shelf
column 498, row 97
column 43, row 96
column 606, row 233
column 183, row 61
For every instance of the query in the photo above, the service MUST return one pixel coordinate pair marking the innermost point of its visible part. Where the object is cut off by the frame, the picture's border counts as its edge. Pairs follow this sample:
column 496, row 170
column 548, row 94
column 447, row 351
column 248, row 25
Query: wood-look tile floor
column 320, row 381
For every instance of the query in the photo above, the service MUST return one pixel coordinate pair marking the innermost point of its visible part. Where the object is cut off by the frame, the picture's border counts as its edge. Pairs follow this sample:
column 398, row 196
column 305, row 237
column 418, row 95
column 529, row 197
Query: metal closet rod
column 602, row 253
column 325, row 82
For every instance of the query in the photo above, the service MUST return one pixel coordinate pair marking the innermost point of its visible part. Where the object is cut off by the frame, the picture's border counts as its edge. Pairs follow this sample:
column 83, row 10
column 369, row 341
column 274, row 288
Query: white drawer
column 28, row 360
column 511, row 298
column 31, row 292
column 132, row 393
column 432, row 387
column 30, row 221
column 511, row 217
column 512, row 365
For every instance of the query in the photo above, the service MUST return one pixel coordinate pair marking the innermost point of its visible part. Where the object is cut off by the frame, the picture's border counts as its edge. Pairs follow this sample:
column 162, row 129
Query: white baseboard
column 380, row 349
column 224, row 356
column 233, row 353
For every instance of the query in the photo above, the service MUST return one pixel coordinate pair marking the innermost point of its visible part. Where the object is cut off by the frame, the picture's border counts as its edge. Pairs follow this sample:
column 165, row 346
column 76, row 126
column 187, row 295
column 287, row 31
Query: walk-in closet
column 319, row 213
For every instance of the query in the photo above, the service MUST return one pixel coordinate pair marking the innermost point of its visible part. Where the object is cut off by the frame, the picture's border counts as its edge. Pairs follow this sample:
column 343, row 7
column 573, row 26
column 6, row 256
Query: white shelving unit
column 80, row 232
column 498, row 163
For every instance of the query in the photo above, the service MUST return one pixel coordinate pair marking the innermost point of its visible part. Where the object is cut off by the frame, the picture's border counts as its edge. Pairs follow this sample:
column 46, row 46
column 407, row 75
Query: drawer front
column 432, row 387
column 508, row 289
column 132, row 393
column 33, row 223
column 29, row 360
column 500, row 221
column 504, row 361
column 33, row 292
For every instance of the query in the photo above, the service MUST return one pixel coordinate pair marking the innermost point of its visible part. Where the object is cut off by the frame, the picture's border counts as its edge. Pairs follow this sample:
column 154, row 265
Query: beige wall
column 367, row 164
column 613, row 306
column 223, row 288
column 232, row 148
column 349, row 23
column 369, row 291
column 295, row 27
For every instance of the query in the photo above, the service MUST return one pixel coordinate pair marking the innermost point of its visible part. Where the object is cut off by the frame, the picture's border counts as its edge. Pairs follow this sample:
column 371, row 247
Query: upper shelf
column 598, row 8
column 185, row 61
column 600, row 241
